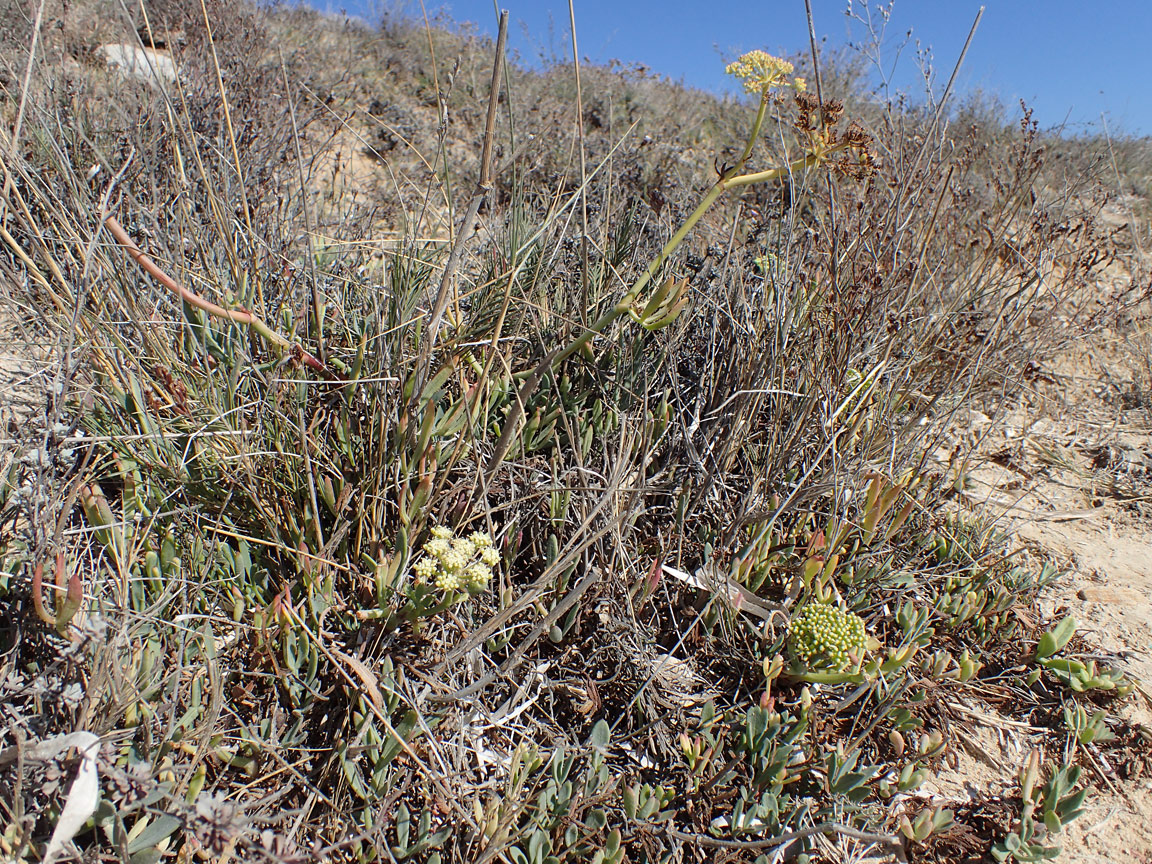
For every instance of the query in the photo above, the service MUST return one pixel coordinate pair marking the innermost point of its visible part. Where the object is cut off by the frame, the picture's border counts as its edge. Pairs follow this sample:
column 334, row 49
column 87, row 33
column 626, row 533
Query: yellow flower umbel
column 454, row 563
column 761, row 72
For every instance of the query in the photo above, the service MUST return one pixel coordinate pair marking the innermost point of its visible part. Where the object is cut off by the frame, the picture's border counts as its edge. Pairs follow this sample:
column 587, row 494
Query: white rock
column 146, row 64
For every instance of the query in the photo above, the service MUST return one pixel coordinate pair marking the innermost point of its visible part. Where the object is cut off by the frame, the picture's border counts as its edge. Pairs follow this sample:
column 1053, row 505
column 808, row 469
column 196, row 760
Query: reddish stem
column 240, row 316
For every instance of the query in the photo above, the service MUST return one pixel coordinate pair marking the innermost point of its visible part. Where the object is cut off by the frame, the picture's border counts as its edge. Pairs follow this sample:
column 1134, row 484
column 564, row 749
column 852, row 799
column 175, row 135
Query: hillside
column 412, row 456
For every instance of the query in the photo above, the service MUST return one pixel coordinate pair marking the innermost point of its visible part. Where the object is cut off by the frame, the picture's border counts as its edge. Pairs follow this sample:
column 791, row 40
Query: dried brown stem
column 482, row 189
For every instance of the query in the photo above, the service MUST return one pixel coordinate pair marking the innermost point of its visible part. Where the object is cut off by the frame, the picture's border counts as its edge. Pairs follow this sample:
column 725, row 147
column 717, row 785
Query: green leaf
column 164, row 827
column 1065, row 666
column 1056, row 638
column 612, row 845
column 561, row 765
column 434, row 386
column 403, row 827
column 601, row 733
column 352, row 773
column 630, row 802
column 1072, row 806
column 757, row 725
column 243, row 561
column 538, row 846
column 392, row 746
column 707, row 714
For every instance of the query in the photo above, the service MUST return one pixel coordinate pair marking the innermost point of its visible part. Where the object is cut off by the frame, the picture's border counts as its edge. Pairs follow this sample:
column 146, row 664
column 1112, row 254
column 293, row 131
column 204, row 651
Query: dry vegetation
column 211, row 527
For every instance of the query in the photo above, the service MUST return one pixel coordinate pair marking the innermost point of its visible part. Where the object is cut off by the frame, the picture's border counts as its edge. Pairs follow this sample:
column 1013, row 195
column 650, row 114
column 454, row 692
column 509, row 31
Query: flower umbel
column 454, row 563
column 477, row 575
column 426, row 568
column 761, row 72
column 827, row 638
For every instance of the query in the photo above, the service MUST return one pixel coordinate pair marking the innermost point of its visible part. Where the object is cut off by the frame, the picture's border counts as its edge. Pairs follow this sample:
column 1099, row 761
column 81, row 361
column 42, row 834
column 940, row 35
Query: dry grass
column 231, row 504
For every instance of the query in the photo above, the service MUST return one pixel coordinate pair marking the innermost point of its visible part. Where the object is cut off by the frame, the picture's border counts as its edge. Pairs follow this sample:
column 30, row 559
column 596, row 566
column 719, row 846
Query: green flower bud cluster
column 457, row 563
column 822, row 637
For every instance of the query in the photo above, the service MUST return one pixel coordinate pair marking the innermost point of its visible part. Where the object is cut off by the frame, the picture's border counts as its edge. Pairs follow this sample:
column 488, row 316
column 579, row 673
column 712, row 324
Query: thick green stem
column 810, row 677
column 718, row 188
column 756, row 126
column 625, row 302
column 804, row 162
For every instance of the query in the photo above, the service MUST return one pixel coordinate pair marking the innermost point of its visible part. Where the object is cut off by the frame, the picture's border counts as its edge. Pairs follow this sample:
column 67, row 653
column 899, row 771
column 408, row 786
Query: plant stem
column 718, row 188
column 752, row 138
column 237, row 316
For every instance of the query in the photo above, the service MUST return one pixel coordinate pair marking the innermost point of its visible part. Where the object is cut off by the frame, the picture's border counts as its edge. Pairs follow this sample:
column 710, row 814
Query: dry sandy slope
column 1069, row 470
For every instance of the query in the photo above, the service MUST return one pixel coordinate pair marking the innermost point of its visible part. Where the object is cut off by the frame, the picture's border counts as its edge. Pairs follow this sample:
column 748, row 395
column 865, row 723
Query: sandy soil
column 23, row 365
column 1069, row 471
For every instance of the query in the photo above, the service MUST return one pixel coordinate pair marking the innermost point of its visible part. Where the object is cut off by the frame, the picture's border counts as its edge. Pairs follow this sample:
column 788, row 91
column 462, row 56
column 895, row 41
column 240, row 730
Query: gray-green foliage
column 651, row 386
column 1046, row 810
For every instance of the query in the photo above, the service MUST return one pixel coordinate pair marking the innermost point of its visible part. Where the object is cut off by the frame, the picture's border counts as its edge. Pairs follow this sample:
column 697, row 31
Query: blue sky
column 1072, row 61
